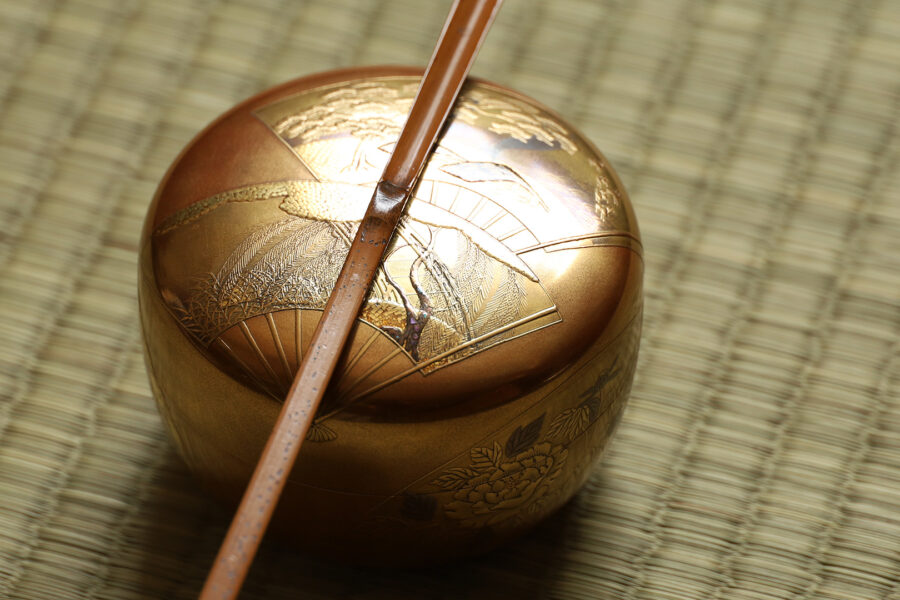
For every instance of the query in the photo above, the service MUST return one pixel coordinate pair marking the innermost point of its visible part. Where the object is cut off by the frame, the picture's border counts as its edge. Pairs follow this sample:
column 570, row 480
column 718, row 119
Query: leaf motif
column 235, row 264
column 524, row 437
column 593, row 396
column 569, row 424
column 604, row 378
column 454, row 478
column 440, row 285
column 485, row 458
column 473, row 276
column 456, row 295
column 271, row 268
column 295, row 251
column 320, row 433
column 504, row 306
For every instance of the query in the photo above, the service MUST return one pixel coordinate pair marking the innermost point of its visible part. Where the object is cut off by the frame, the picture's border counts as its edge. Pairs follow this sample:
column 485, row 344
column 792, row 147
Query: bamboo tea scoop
column 464, row 30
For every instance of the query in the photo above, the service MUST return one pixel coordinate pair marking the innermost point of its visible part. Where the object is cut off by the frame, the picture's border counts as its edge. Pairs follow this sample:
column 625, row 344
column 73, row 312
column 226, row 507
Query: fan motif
column 452, row 284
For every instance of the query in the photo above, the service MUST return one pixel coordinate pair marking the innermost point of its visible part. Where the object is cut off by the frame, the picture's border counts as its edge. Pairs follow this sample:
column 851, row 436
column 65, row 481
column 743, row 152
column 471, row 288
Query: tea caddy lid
column 518, row 252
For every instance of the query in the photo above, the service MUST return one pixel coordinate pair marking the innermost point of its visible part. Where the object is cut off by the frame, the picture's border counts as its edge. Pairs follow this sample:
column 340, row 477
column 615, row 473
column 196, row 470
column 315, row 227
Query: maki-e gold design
column 515, row 274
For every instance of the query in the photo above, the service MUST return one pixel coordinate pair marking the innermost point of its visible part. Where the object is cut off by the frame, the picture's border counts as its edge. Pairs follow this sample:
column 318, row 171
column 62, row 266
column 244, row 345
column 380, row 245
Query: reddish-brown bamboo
column 463, row 33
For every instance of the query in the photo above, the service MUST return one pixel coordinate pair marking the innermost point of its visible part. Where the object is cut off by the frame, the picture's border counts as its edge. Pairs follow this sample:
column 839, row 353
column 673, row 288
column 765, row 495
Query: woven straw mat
column 759, row 142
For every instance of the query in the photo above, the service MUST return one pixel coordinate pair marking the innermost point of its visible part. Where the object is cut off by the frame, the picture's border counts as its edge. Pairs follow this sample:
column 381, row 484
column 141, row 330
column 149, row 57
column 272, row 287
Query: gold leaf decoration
column 484, row 458
column 570, row 423
column 505, row 490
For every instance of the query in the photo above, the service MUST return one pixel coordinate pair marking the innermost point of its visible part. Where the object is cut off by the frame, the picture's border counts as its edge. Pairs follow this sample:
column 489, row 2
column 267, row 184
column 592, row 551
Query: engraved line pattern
column 273, row 331
column 248, row 335
column 250, row 373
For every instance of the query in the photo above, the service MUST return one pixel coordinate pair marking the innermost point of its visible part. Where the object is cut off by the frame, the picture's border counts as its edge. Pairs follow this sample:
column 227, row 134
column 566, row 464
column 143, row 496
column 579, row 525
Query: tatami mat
column 760, row 455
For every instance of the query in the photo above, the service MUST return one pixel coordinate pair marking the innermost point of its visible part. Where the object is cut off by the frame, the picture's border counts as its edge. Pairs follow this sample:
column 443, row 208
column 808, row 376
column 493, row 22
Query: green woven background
column 760, row 455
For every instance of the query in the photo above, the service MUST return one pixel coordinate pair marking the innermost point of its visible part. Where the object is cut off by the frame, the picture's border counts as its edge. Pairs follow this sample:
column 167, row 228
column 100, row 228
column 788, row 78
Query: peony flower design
column 505, row 484
column 496, row 488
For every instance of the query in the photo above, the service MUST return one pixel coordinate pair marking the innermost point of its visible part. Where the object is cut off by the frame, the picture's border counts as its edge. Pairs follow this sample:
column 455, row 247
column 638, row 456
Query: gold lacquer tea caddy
column 491, row 361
